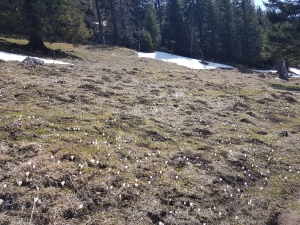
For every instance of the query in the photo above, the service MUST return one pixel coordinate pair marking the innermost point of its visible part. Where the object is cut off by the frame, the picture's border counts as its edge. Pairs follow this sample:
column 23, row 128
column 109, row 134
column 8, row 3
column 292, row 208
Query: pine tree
column 284, row 36
column 121, row 21
column 225, row 30
column 174, row 27
column 246, row 33
column 192, row 33
column 257, row 28
column 10, row 14
column 199, row 14
column 239, row 50
column 283, row 39
column 151, row 24
column 140, row 7
column 100, row 27
column 210, row 31
column 159, row 6
column 36, row 18
column 146, row 43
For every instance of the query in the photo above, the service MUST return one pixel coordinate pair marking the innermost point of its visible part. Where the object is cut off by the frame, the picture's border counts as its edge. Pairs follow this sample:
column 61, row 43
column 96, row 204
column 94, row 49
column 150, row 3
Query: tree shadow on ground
column 243, row 69
column 23, row 49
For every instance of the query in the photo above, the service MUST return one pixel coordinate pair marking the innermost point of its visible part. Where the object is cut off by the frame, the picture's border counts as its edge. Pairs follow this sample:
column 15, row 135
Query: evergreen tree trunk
column 246, row 31
column 200, row 17
column 174, row 28
column 100, row 21
column 113, row 17
column 159, row 13
column 283, row 70
column 36, row 43
column 210, row 33
column 225, row 30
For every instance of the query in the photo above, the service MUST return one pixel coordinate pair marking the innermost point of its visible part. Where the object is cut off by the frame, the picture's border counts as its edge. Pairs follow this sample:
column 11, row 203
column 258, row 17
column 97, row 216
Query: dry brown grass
column 117, row 139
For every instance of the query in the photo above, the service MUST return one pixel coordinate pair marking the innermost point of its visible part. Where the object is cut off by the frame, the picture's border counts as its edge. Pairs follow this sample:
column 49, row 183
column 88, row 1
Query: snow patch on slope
column 16, row 57
column 294, row 72
column 182, row 61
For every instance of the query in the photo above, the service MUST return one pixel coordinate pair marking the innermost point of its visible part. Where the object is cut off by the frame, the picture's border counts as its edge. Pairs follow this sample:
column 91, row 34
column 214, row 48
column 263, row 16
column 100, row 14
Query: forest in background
column 232, row 31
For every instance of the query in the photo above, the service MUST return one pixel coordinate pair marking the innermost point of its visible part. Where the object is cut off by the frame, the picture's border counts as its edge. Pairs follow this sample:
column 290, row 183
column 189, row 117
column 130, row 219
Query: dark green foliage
column 11, row 17
column 146, row 43
column 69, row 23
column 283, row 38
column 151, row 24
column 200, row 7
column 210, row 43
column 193, row 30
column 36, row 18
column 225, row 30
column 247, row 33
column 174, row 27
column 126, row 26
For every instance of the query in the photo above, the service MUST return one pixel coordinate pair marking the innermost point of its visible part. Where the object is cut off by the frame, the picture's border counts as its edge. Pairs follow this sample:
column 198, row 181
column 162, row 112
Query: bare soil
column 117, row 139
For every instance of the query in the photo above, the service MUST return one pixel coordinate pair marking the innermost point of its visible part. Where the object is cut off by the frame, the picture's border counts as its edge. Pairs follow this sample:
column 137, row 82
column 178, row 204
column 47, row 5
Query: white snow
column 195, row 64
column 16, row 57
column 182, row 61
column 294, row 72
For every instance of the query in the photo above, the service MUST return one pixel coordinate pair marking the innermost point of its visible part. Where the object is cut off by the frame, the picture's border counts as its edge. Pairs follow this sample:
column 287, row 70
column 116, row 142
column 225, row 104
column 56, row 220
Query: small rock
column 203, row 62
column 245, row 120
column 33, row 61
column 262, row 75
column 283, row 133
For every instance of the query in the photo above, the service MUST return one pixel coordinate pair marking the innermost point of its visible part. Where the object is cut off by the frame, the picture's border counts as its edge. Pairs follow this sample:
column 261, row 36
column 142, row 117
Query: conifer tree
column 225, row 27
column 283, row 39
column 100, row 34
column 284, row 35
column 257, row 27
column 210, row 28
column 146, row 43
column 191, row 26
column 151, row 24
column 10, row 14
column 63, row 19
column 199, row 16
column 246, row 33
column 159, row 6
column 174, row 27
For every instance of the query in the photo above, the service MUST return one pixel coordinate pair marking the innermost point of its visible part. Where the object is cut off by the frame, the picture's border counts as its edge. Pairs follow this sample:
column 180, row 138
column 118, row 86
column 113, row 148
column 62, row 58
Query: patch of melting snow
column 16, row 57
column 294, row 72
column 183, row 61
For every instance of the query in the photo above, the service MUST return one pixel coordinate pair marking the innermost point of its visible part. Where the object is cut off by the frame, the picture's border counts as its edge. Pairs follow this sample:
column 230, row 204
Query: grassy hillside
column 117, row 139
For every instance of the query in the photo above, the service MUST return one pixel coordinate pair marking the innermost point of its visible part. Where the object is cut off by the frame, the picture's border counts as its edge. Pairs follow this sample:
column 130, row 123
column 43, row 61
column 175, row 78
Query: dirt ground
column 291, row 216
column 118, row 139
